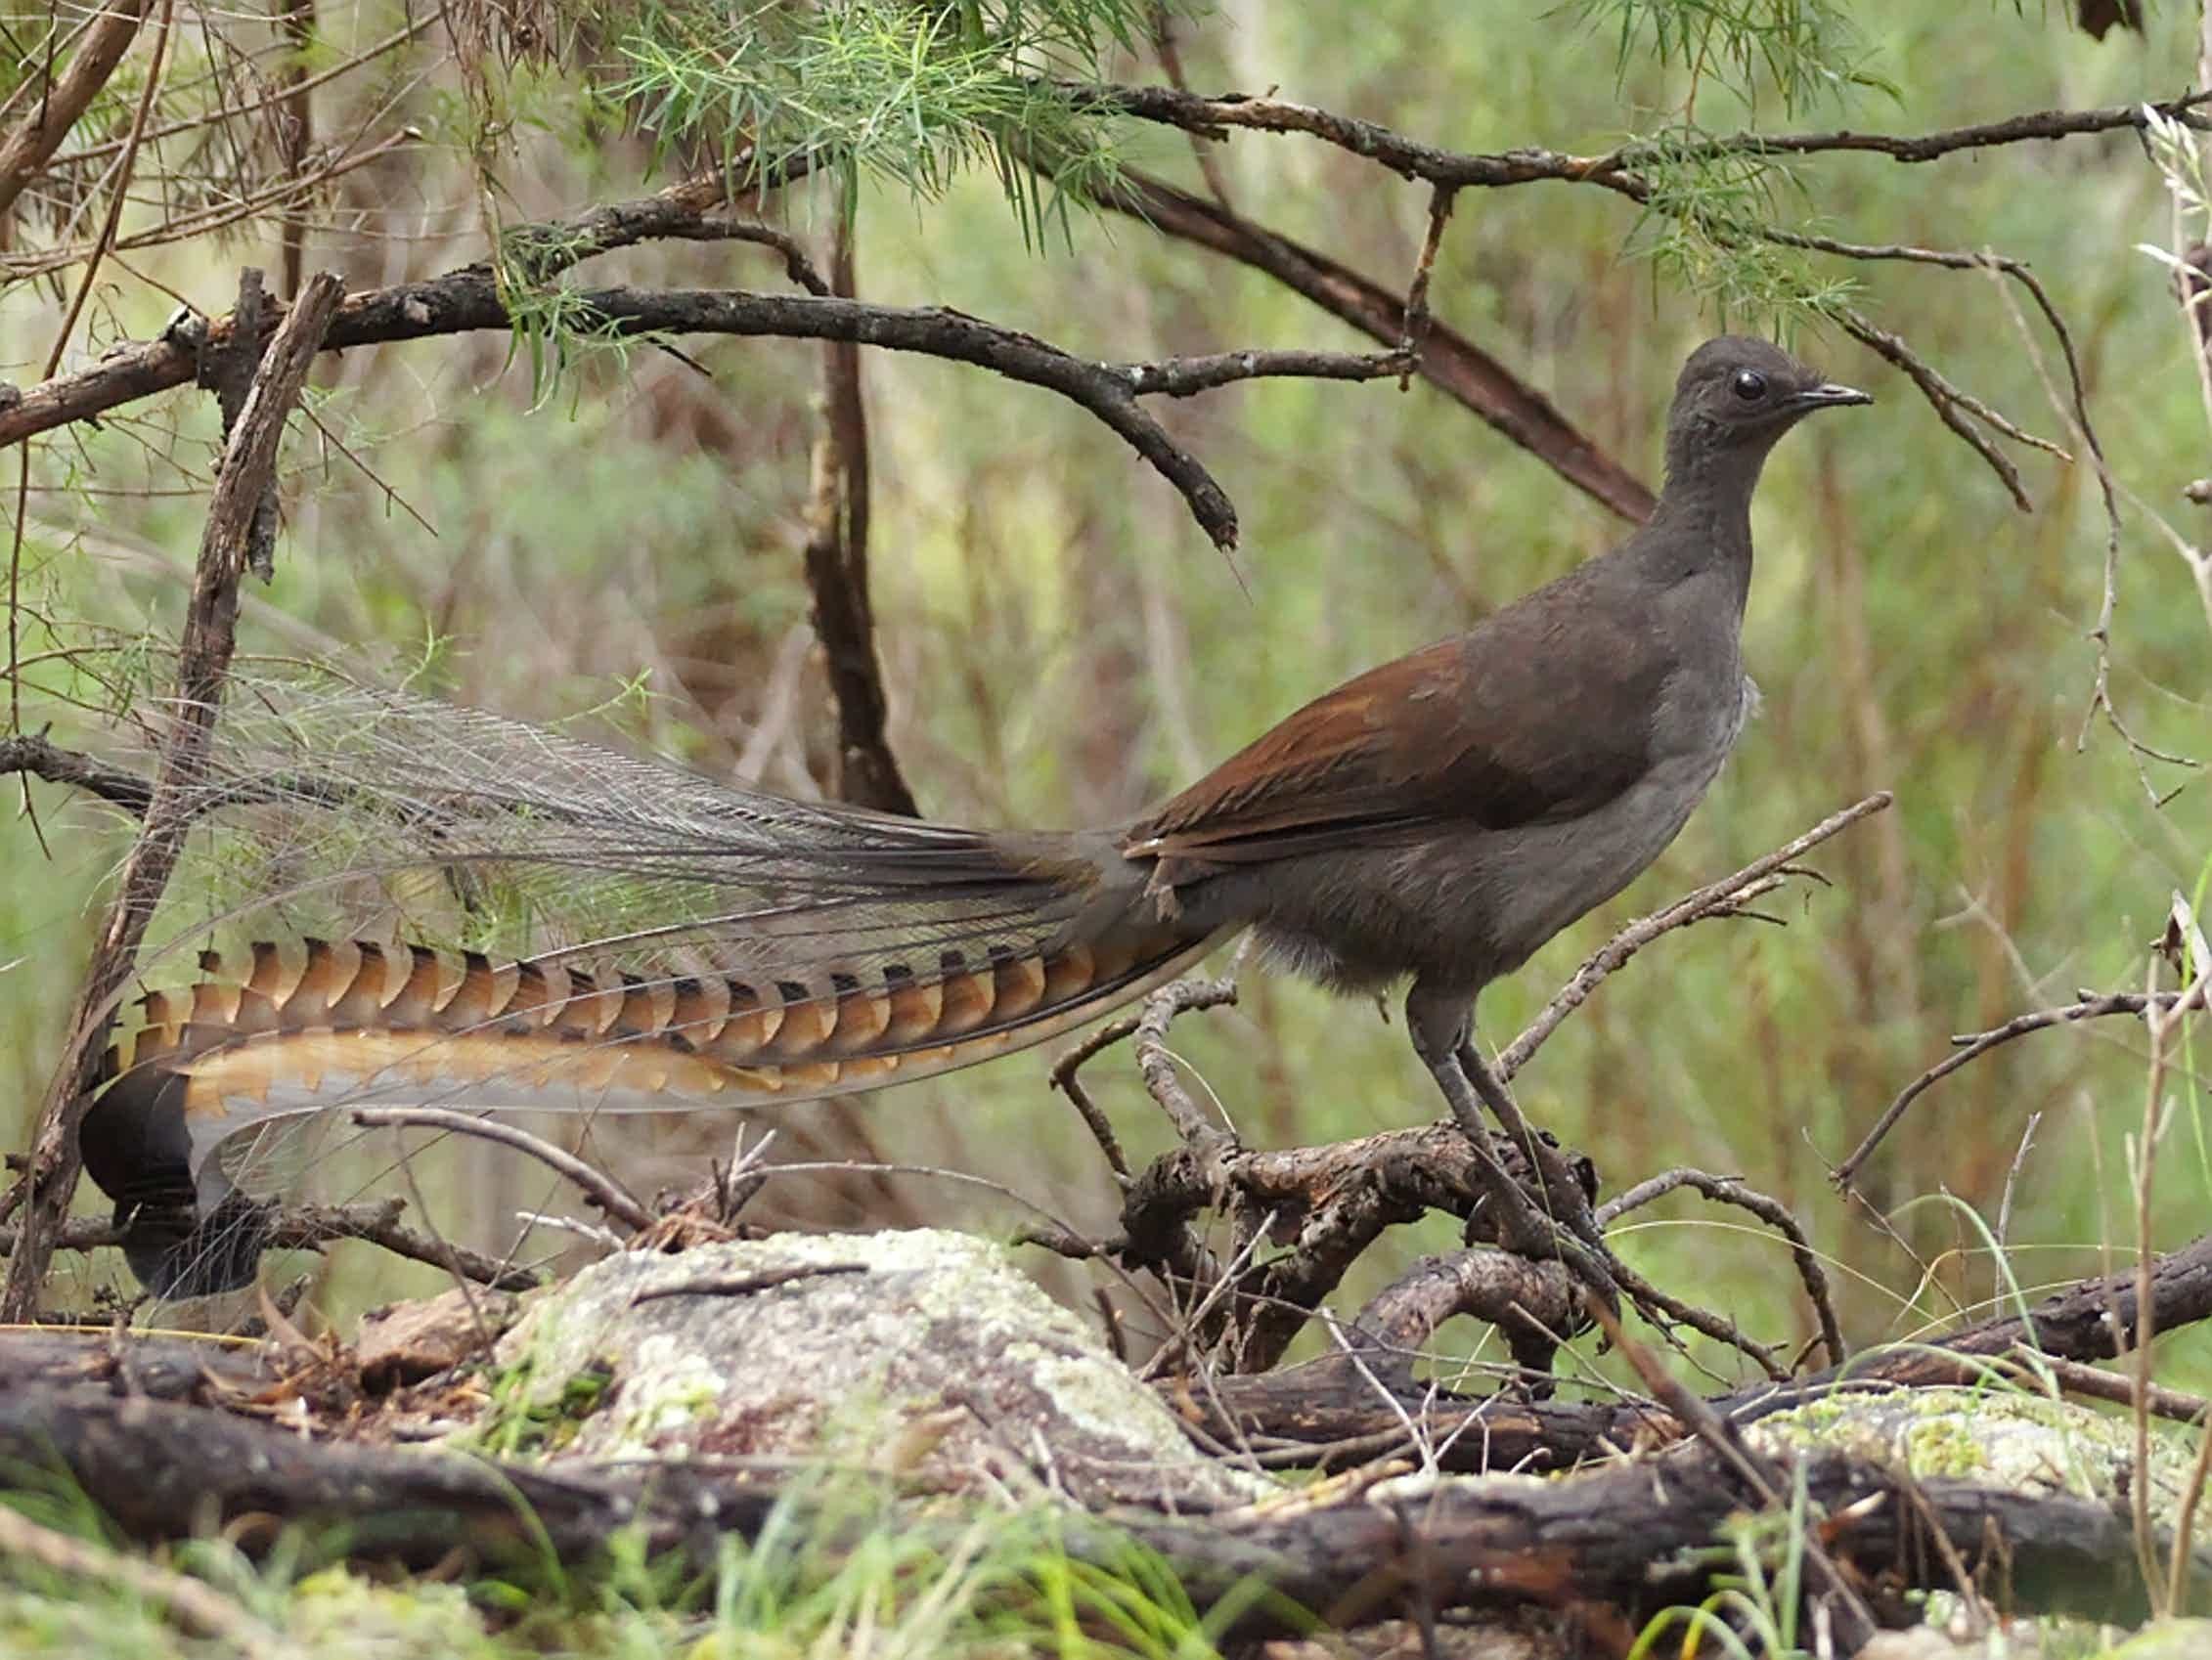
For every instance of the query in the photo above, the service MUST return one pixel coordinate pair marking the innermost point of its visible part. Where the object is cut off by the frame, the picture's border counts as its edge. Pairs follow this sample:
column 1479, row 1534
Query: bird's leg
column 1562, row 1192
column 1439, row 1024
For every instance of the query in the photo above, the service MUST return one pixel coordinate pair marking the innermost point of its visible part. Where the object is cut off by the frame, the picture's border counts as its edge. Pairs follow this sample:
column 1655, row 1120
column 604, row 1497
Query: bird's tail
column 699, row 945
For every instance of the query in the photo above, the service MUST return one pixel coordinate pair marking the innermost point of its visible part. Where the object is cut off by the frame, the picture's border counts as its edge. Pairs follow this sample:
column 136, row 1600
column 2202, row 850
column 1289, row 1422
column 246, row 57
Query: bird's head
column 1736, row 396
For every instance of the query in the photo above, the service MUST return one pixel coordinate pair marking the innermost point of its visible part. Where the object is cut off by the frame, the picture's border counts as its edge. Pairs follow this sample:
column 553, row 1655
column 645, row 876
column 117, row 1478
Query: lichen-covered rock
column 2002, row 1437
column 921, row 1354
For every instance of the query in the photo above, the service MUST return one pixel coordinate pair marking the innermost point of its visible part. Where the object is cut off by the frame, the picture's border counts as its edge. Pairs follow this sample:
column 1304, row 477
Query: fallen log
column 1622, row 1542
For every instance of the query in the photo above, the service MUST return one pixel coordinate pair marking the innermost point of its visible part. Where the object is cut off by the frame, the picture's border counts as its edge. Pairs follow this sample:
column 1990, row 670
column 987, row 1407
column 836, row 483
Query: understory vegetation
column 1988, row 597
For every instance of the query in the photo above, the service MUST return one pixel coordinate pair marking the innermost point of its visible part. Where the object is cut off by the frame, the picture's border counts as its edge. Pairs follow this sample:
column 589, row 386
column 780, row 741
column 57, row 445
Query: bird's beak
column 1830, row 396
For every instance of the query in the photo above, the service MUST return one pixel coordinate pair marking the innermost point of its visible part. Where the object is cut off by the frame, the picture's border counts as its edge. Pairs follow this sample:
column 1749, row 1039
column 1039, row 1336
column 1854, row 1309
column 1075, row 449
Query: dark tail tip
column 137, row 1148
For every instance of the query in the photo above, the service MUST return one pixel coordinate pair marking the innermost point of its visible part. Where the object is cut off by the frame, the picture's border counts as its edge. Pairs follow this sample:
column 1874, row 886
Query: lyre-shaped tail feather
column 329, row 1026
column 668, row 940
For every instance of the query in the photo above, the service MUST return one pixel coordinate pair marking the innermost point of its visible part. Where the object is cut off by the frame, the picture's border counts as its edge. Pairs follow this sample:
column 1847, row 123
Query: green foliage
column 1701, row 232
column 1805, row 49
column 837, row 1566
column 904, row 94
column 1761, row 1598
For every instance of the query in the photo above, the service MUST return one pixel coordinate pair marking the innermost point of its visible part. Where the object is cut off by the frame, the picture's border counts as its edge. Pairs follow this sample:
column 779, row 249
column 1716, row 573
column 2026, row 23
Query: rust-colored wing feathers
column 1417, row 744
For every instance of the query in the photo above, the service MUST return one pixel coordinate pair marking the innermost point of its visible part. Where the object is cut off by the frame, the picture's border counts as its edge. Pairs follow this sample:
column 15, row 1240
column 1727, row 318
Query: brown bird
column 1435, row 819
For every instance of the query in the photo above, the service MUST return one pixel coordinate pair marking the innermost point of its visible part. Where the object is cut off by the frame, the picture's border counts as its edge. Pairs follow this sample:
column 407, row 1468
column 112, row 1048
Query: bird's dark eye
column 1750, row 385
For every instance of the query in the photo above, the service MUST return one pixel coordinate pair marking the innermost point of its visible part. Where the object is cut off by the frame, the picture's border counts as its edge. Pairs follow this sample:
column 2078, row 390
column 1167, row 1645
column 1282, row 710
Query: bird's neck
column 1701, row 526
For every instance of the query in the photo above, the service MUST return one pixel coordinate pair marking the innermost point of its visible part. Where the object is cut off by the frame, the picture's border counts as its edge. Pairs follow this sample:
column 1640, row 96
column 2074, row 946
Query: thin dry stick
column 1064, row 1079
column 1978, row 1044
column 2074, row 410
column 35, row 139
column 1717, row 899
column 470, row 298
column 121, row 189
column 1156, row 1064
column 126, row 18
column 1729, row 1189
column 308, row 1226
column 745, row 1284
column 2159, row 1024
column 397, row 38
column 2095, row 1384
column 1417, row 295
column 597, row 1185
column 2145, row 1315
column 249, row 458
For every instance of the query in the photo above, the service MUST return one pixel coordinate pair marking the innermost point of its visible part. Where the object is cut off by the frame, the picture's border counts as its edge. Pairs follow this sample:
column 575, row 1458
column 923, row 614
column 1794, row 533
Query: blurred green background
column 1063, row 646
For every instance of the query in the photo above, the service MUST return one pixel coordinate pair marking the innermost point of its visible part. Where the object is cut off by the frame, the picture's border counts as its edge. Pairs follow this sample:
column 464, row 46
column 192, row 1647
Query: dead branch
column 1974, row 1045
column 1155, row 1065
column 1763, row 1475
column 1951, row 405
column 1717, row 899
column 1335, row 1201
column 53, row 111
column 1319, row 1414
column 1534, row 1304
column 115, row 785
column 1636, row 1538
column 1626, row 171
column 470, row 299
column 1451, row 363
column 2092, row 1321
column 249, row 462
column 686, row 211
column 602, row 1189
column 836, row 561
column 309, row 1227
column 1412, row 159
column 1729, row 1189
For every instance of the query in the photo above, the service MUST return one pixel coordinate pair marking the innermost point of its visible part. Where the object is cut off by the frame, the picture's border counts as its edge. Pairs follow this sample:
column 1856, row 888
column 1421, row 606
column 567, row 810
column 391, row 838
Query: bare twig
column 2073, row 407
column 1626, row 172
column 1417, row 292
column 1450, row 361
column 602, row 1189
column 57, row 106
column 309, row 1227
column 1183, row 377
column 1202, row 148
column 836, row 559
column 1950, row 404
column 1413, row 159
column 1978, row 1044
column 1717, row 899
column 1064, row 1078
column 1728, row 1189
column 34, row 755
column 203, row 656
column 745, row 1284
column 471, row 300
column 1155, row 1063
column 346, row 66
column 2094, row 1382
column 688, row 210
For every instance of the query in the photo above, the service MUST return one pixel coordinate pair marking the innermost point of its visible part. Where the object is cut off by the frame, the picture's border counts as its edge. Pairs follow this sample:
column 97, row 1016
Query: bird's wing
column 1465, row 731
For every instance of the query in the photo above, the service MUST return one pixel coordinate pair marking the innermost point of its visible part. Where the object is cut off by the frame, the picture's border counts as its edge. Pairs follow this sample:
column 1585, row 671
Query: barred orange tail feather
column 325, row 1027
